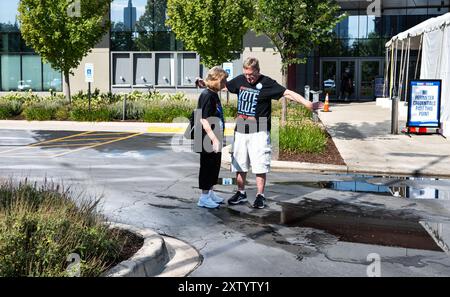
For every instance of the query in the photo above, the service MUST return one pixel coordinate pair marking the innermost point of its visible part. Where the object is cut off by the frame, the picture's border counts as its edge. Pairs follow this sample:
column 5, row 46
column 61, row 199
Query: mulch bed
column 133, row 243
column 330, row 156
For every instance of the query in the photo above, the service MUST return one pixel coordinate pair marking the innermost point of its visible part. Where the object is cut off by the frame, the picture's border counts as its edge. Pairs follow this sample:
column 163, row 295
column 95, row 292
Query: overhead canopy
column 417, row 31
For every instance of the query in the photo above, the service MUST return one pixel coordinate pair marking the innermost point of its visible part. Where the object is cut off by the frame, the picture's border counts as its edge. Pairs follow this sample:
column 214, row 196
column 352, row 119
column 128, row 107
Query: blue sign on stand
column 424, row 108
column 380, row 89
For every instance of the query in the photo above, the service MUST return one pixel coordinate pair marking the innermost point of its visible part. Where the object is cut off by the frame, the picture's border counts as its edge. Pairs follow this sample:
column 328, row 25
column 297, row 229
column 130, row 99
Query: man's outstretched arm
column 291, row 95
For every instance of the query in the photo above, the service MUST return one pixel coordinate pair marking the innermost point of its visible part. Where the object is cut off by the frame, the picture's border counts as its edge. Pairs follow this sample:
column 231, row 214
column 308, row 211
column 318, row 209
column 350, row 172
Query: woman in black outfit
column 213, row 126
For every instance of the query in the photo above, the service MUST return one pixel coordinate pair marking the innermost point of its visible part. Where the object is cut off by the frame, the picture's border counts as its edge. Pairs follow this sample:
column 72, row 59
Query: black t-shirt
column 211, row 106
column 255, row 100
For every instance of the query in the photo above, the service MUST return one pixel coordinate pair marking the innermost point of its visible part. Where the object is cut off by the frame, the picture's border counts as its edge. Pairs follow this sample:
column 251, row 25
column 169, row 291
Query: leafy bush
column 158, row 113
column 41, row 226
column 302, row 137
column 98, row 114
column 10, row 108
column 62, row 113
column 39, row 112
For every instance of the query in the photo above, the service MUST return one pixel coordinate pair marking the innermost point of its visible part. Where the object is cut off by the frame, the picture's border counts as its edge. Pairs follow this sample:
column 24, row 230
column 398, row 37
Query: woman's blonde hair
column 215, row 77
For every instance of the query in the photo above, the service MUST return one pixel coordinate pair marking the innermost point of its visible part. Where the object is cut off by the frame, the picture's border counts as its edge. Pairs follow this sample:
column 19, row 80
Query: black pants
column 209, row 170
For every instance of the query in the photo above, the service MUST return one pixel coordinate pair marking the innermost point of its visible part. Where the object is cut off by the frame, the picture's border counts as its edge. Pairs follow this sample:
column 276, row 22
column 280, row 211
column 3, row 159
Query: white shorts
column 251, row 149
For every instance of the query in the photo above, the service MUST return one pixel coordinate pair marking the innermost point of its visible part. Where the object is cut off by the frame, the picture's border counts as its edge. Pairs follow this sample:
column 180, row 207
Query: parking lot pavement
column 61, row 146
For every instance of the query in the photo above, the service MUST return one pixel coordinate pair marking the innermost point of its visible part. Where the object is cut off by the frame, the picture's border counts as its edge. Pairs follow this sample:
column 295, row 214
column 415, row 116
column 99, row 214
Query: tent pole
column 408, row 53
column 419, row 56
column 395, row 69
column 391, row 76
column 400, row 76
column 386, row 72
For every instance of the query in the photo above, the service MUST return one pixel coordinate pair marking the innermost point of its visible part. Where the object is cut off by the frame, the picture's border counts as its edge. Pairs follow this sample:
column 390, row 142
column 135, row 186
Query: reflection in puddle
column 416, row 188
column 363, row 229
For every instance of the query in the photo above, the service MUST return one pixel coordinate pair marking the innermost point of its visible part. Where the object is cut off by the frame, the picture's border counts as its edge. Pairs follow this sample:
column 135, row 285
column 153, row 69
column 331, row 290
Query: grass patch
column 41, row 226
column 302, row 137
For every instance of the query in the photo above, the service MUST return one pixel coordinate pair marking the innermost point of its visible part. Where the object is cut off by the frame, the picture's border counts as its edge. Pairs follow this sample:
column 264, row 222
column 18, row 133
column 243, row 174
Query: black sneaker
column 259, row 202
column 238, row 198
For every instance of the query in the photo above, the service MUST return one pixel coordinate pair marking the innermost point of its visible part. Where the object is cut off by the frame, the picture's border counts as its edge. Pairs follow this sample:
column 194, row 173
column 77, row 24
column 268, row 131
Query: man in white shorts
column 252, row 136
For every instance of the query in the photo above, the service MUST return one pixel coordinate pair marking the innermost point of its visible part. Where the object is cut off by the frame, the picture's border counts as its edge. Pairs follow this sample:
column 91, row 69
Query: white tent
column 432, row 39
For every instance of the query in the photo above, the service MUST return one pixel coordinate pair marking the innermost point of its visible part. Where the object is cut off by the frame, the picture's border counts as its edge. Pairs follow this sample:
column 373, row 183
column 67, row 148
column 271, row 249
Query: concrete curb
column 160, row 256
column 148, row 261
column 286, row 166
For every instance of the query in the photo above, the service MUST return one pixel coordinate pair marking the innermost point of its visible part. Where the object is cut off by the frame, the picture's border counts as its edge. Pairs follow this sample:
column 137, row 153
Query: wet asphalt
column 151, row 181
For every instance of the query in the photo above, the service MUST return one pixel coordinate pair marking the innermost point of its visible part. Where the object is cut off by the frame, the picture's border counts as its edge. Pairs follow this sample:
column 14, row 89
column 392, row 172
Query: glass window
column 52, row 78
column 9, row 42
column 348, row 27
column 125, row 13
column 370, row 47
column 31, row 72
column 10, row 70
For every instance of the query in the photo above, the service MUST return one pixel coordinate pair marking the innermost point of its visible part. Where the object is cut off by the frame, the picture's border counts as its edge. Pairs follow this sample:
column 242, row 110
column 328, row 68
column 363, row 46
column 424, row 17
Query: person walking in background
column 346, row 84
column 213, row 126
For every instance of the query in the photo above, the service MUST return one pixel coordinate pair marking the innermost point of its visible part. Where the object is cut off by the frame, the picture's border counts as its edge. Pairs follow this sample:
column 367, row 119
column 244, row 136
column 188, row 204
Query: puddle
column 401, row 187
column 227, row 181
column 374, row 231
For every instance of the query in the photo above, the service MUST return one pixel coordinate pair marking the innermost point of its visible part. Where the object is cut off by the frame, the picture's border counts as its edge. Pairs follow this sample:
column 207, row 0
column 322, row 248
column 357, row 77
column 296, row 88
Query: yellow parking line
column 96, row 145
column 110, row 133
column 48, row 141
column 179, row 130
column 84, row 139
column 68, row 145
column 59, row 139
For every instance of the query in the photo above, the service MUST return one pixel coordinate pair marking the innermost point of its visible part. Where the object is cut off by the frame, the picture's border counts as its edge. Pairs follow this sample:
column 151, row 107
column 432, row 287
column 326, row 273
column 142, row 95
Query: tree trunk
column 67, row 86
column 283, row 100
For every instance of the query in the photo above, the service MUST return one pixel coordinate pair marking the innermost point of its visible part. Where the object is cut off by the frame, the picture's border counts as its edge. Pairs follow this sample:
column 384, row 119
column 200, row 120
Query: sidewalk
column 361, row 133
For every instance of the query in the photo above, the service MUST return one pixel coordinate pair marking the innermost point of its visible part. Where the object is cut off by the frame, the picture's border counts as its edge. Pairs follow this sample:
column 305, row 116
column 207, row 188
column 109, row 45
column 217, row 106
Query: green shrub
column 39, row 112
column 43, row 109
column 10, row 108
column 166, row 113
column 302, row 137
column 41, row 226
column 98, row 114
column 62, row 113
column 295, row 111
column 230, row 110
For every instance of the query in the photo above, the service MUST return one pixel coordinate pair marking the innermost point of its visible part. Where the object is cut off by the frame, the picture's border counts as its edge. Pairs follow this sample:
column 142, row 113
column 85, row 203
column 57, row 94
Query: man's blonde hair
column 251, row 62
column 214, row 78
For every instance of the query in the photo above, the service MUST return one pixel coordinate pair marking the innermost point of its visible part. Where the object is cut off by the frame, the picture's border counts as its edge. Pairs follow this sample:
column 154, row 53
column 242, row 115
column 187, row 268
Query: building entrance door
column 350, row 79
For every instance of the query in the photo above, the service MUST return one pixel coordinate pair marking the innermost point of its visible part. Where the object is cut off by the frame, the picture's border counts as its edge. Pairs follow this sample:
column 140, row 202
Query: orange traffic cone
column 326, row 106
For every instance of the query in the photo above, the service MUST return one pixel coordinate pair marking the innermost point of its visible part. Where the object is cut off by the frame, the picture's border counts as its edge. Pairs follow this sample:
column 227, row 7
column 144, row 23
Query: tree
column 212, row 28
column 295, row 27
column 62, row 32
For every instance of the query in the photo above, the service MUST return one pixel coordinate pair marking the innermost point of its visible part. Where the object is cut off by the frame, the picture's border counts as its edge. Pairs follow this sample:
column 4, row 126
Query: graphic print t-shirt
column 211, row 106
column 255, row 100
